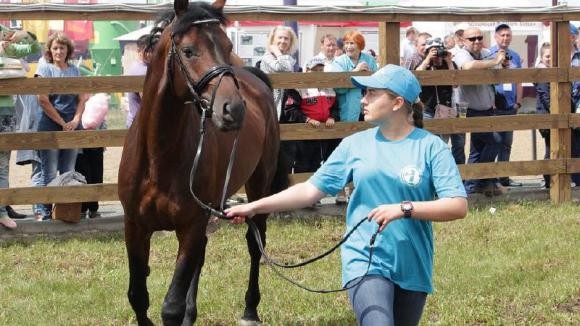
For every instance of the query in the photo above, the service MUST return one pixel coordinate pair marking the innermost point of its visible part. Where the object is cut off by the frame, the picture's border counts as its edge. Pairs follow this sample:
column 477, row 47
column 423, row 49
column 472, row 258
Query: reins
column 206, row 110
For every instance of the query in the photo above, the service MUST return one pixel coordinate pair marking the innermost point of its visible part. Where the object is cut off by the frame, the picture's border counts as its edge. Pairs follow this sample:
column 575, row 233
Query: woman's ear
column 399, row 103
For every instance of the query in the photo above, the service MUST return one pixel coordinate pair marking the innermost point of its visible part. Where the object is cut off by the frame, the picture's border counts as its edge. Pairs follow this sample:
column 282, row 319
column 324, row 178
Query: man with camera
column 508, row 96
column 418, row 56
column 438, row 58
column 481, row 103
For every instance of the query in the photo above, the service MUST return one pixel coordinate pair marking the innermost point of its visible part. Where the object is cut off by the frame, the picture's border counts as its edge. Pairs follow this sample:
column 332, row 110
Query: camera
column 441, row 52
column 508, row 57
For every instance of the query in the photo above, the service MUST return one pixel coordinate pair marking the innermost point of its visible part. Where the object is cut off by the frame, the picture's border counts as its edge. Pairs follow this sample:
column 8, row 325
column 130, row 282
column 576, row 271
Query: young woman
column 60, row 112
column 398, row 170
column 543, row 101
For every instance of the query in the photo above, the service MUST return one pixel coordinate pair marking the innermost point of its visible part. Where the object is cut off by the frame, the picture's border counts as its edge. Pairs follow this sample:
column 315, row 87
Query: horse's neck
column 170, row 127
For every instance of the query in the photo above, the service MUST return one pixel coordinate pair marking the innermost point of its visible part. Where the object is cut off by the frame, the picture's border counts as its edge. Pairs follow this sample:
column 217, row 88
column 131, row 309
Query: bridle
column 205, row 108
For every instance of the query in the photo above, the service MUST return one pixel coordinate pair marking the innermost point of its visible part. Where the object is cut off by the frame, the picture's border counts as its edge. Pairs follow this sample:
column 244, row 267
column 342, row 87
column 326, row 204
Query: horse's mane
column 196, row 11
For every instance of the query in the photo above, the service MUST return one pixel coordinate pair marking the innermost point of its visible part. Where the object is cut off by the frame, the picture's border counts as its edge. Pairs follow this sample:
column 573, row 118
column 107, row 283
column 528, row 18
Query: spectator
column 138, row 68
column 441, row 94
column 512, row 93
column 449, row 41
column 327, row 48
column 318, row 108
column 339, row 48
column 408, row 48
column 282, row 43
column 398, row 169
column 29, row 123
column 60, row 112
column 543, row 101
column 458, row 38
column 353, row 59
column 481, row 101
column 575, row 62
column 418, row 56
column 89, row 161
column 15, row 44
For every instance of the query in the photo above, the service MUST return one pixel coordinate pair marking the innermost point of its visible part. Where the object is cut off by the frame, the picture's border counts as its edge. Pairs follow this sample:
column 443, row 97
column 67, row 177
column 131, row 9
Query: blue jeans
column 4, row 168
column 37, row 180
column 457, row 142
column 483, row 149
column 53, row 161
column 7, row 124
column 379, row 301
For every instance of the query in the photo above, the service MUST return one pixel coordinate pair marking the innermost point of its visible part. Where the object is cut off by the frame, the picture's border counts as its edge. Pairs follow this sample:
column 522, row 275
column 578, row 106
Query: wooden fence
column 560, row 121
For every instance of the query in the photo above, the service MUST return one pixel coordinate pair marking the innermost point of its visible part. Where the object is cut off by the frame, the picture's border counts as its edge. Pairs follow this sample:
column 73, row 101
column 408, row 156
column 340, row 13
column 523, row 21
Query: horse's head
column 200, row 62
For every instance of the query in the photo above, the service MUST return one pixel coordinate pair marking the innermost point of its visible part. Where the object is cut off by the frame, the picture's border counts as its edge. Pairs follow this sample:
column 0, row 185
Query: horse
column 190, row 78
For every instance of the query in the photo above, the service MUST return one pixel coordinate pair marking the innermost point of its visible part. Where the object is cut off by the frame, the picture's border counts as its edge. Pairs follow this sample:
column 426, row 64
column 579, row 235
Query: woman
column 353, row 59
column 14, row 44
column 60, row 112
column 543, row 101
column 397, row 169
column 282, row 43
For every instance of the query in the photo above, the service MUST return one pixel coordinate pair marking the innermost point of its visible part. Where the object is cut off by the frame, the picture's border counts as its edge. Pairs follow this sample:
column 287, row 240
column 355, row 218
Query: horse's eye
column 188, row 52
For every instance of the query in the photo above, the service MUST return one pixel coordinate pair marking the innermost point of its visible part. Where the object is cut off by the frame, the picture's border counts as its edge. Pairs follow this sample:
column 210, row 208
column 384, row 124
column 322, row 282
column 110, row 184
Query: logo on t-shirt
column 410, row 175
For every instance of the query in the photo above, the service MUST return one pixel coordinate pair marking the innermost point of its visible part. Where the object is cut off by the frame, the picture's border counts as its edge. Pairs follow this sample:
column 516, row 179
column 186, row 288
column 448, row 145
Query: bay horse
column 191, row 77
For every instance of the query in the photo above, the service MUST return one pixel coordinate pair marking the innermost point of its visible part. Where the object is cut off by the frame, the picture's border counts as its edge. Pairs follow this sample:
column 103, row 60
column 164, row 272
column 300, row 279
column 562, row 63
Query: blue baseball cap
column 394, row 78
column 573, row 30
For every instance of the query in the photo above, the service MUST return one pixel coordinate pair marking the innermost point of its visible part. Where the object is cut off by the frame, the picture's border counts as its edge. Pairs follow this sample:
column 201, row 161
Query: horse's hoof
column 245, row 322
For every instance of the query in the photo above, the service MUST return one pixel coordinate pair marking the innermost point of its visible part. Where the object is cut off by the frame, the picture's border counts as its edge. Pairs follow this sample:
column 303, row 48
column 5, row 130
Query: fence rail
column 559, row 121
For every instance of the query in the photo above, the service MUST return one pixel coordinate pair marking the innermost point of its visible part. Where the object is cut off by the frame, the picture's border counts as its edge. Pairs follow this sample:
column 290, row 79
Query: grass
column 517, row 266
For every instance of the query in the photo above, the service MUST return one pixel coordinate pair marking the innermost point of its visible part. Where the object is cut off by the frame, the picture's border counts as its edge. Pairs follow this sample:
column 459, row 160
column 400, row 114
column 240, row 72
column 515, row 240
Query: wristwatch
column 407, row 208
column 518, row 105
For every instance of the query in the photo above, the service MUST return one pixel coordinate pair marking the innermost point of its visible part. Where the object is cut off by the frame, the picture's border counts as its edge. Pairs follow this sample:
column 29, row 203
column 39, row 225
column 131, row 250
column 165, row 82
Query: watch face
column 407, row 206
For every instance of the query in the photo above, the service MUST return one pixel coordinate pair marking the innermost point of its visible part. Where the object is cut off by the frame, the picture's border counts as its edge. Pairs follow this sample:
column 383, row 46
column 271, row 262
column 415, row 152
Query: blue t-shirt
column 65, row 104
column 416, row 168
column 508, row 90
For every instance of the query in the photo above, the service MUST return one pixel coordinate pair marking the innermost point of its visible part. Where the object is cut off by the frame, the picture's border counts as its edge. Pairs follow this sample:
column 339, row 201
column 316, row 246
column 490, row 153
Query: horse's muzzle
column 232, row 115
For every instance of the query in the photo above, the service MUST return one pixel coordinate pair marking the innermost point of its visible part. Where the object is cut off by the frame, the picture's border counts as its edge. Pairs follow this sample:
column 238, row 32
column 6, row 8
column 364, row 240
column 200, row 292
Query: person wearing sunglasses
column 481, row 103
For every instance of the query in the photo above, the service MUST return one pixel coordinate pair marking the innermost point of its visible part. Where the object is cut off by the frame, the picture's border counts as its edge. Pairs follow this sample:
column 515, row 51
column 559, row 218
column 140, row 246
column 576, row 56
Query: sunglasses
column 472, row 39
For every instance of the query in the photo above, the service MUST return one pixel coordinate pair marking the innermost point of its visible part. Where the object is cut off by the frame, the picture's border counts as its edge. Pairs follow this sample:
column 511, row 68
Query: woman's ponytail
column 417, row 113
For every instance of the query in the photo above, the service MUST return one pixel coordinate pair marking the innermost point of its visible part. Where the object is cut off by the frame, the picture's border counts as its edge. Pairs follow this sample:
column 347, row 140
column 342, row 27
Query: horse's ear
column 180, row 7
column 218, row 4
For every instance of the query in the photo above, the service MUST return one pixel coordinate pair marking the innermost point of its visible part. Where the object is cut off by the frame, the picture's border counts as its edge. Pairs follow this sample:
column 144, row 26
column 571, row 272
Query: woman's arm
column 281, row 63
column 440, row 210
column 298, row 196
column 50, row 110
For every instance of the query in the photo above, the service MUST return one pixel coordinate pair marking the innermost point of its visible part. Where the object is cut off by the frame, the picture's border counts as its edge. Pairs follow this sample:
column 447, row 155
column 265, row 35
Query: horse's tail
column 260, row 74
column 281, row 180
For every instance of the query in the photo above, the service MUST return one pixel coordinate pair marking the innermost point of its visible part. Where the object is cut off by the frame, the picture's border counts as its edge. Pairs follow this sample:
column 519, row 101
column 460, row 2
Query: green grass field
column 518, row 266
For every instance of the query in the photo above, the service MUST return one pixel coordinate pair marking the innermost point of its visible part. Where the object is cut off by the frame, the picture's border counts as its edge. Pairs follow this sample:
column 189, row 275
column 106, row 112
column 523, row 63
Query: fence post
column 560, row 139
column 389, row 47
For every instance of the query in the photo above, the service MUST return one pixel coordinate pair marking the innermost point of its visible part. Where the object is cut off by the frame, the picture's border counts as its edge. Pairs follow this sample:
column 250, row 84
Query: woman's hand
column 71, row 125
column 275, row 50
column 384, row 214
column 239, row 213
column 330, row 122
column 361, row 66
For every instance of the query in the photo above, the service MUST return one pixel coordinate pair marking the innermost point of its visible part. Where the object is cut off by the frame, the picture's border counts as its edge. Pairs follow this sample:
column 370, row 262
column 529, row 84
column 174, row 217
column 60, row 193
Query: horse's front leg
column 250, row 316
column 138, row 242
column 179, row 307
